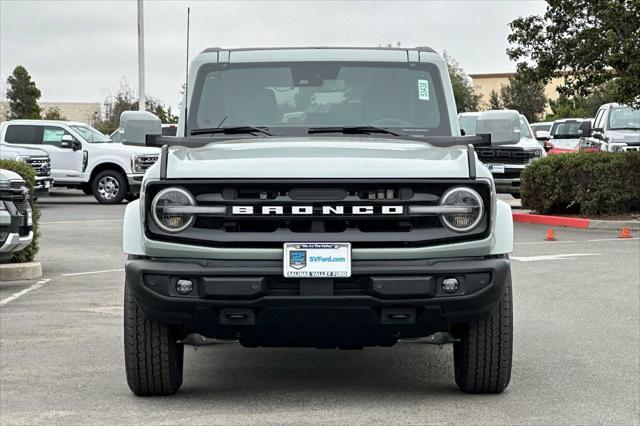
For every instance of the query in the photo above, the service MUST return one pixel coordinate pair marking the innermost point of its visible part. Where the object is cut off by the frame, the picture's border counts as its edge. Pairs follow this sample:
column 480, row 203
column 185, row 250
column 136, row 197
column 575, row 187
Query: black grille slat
column 513, row 156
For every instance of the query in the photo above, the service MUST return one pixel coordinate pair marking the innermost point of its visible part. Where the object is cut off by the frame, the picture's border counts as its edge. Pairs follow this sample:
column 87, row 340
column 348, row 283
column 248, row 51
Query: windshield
column 624, row 118
column 541, row 126
column 90, row 134
column 286, row 96
column 566, row 130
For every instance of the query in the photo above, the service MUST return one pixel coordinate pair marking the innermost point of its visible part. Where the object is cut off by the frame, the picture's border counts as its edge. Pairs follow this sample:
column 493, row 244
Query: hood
column 6, row 175
column 527, row 143
column 318, row 157
column 132, row 149
column 624, row 136
column 566, row 143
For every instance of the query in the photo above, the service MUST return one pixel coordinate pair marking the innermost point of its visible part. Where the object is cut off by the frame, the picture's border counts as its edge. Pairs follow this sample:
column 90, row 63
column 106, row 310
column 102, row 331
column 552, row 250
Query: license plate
column 496, row 168
column 317, row 260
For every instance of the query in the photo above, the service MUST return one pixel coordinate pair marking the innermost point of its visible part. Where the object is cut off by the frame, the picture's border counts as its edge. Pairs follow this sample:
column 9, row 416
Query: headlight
column 141, row 162
column 160, row 209
column 537, row 153
column 23, row 158
column 468, row 218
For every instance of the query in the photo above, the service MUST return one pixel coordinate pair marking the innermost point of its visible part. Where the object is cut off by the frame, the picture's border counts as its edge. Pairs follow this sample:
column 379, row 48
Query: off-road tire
column 115, row 178
column 153, row 358
column 482, row 357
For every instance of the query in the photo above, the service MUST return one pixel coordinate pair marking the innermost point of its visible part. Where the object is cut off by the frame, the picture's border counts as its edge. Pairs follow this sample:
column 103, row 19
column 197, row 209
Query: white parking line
column 565, row 256
column 79, row 221
column 91, row 272
column 574, row 241
column 23, row 292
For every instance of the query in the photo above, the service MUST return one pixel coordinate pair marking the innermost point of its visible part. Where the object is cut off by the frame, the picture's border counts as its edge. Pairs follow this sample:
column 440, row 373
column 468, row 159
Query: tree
column 524, row 95
column 53, row 113
column 586, row 42
column 581, row 106
column 23, row 95
column 127, row 100
column 466, row 98
column 494, row 100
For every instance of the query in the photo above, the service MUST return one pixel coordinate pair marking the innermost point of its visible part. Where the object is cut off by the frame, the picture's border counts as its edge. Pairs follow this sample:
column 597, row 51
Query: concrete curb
column 576, row 222
column 20, row 271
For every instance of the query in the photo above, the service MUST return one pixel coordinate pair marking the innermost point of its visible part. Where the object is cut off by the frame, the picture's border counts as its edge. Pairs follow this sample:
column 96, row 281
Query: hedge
column 590, row 184
column 29, row 175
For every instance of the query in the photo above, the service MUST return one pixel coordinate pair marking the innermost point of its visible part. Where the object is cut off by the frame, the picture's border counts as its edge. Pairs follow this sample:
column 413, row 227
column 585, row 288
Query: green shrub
column 583, row 183
column 29, row 175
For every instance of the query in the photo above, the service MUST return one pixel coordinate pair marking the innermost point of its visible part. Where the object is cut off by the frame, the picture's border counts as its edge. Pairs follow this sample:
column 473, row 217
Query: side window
column 599, row 122
column 53, row 135
column 20, row 134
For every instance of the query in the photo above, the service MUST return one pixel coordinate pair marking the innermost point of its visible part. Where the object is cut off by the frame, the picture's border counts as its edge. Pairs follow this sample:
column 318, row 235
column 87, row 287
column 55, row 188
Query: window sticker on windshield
column 423, row 90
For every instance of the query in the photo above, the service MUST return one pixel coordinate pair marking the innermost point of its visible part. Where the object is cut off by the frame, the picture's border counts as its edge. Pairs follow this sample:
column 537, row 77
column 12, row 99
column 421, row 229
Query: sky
column 81, row 51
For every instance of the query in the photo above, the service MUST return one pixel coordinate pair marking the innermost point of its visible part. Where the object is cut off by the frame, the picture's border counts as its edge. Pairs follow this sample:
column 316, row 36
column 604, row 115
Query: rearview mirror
column 542, row 135
column 136, row 125
column 503, row 126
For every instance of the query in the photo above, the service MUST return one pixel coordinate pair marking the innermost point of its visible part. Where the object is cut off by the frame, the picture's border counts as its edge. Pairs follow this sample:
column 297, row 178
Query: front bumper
column 382, row 302
column 15, row 242
column 41, row 187
column 509, row 181
column 135, row 182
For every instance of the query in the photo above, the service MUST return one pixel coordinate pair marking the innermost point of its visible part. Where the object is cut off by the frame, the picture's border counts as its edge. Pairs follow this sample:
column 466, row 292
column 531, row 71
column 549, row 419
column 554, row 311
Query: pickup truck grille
column 495, row 155
column 41, row 165
column 322, row 198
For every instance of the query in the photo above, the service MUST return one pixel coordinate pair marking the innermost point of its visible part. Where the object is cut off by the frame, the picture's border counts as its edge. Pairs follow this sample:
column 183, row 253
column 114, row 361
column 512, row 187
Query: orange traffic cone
column 551, row 236
column 625, row 233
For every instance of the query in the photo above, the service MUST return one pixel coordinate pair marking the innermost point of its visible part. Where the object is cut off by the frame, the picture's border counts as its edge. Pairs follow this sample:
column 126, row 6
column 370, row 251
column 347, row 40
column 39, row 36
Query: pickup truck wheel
column 482, row 358
column 153, row 358
column 109, row 187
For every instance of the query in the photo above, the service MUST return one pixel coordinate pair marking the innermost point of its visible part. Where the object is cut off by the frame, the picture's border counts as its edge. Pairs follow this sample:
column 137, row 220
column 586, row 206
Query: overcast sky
column 82, row 50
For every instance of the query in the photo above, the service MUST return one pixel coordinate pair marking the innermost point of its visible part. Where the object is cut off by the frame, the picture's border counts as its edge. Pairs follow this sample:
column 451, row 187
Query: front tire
column 109, row 187
column 482, row 357
column 153, row 358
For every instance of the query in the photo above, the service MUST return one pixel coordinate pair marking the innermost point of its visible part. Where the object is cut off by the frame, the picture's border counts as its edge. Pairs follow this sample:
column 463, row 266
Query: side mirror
column 503, row 126
column 548, row 146
column 136, row 125
column 68, row 142
column 542, row 135
column 585, row 129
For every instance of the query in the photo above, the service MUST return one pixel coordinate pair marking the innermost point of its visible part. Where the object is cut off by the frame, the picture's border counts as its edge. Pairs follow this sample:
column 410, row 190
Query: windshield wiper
column 231, row 130
column 355, row 130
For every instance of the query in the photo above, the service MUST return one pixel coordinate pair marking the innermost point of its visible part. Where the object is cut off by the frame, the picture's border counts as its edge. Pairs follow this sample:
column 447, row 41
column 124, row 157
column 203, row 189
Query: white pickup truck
column 82, row 157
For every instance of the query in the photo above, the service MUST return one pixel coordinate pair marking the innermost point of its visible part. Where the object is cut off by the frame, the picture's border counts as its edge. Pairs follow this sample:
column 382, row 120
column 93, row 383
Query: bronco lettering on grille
column 308, row 210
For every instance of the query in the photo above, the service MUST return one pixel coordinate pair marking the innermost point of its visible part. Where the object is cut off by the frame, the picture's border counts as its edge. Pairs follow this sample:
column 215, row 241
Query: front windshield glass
column 624, row 118
column 286, row 96
column 566, row 130
column 90, row 134
column 524, row 128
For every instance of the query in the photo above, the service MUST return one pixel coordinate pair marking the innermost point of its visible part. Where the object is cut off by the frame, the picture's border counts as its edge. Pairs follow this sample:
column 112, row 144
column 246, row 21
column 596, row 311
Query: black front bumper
column 381, row 302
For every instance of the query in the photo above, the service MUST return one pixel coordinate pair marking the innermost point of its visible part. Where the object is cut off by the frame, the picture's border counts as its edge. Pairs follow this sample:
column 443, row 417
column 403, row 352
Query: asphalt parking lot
column 576, row 355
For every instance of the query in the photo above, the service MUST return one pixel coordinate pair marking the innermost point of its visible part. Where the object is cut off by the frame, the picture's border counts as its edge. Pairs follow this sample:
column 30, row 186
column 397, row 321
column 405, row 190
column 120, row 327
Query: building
column 72, row 111
column 483, row 84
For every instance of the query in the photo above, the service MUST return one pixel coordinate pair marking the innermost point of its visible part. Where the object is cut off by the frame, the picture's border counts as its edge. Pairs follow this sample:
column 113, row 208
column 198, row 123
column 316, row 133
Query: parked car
column 567, row 135
column 505, row 163
column 36, row 158
column 368, row 221
column 169, row 129
column 615, row 128
column 16, row 220
column 83, row 158
column 541, row 130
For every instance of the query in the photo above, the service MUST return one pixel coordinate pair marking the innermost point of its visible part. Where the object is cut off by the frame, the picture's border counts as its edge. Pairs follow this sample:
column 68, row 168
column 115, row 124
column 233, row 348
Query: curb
column 20, row 271
column 576, row 222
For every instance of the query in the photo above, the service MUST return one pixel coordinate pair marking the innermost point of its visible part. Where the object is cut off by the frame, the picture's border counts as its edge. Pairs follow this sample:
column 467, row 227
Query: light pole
column 141, row 96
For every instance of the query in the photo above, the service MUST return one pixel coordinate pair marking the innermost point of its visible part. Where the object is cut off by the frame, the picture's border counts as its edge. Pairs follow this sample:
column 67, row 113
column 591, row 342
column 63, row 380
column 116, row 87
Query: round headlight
column 170, row 221
column 465, row 220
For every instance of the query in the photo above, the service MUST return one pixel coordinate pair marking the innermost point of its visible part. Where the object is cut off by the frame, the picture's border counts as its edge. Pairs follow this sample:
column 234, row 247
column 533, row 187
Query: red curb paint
column 571, row 222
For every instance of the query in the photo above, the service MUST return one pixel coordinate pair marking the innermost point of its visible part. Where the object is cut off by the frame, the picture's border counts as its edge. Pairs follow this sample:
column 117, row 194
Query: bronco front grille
column 362, row 230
